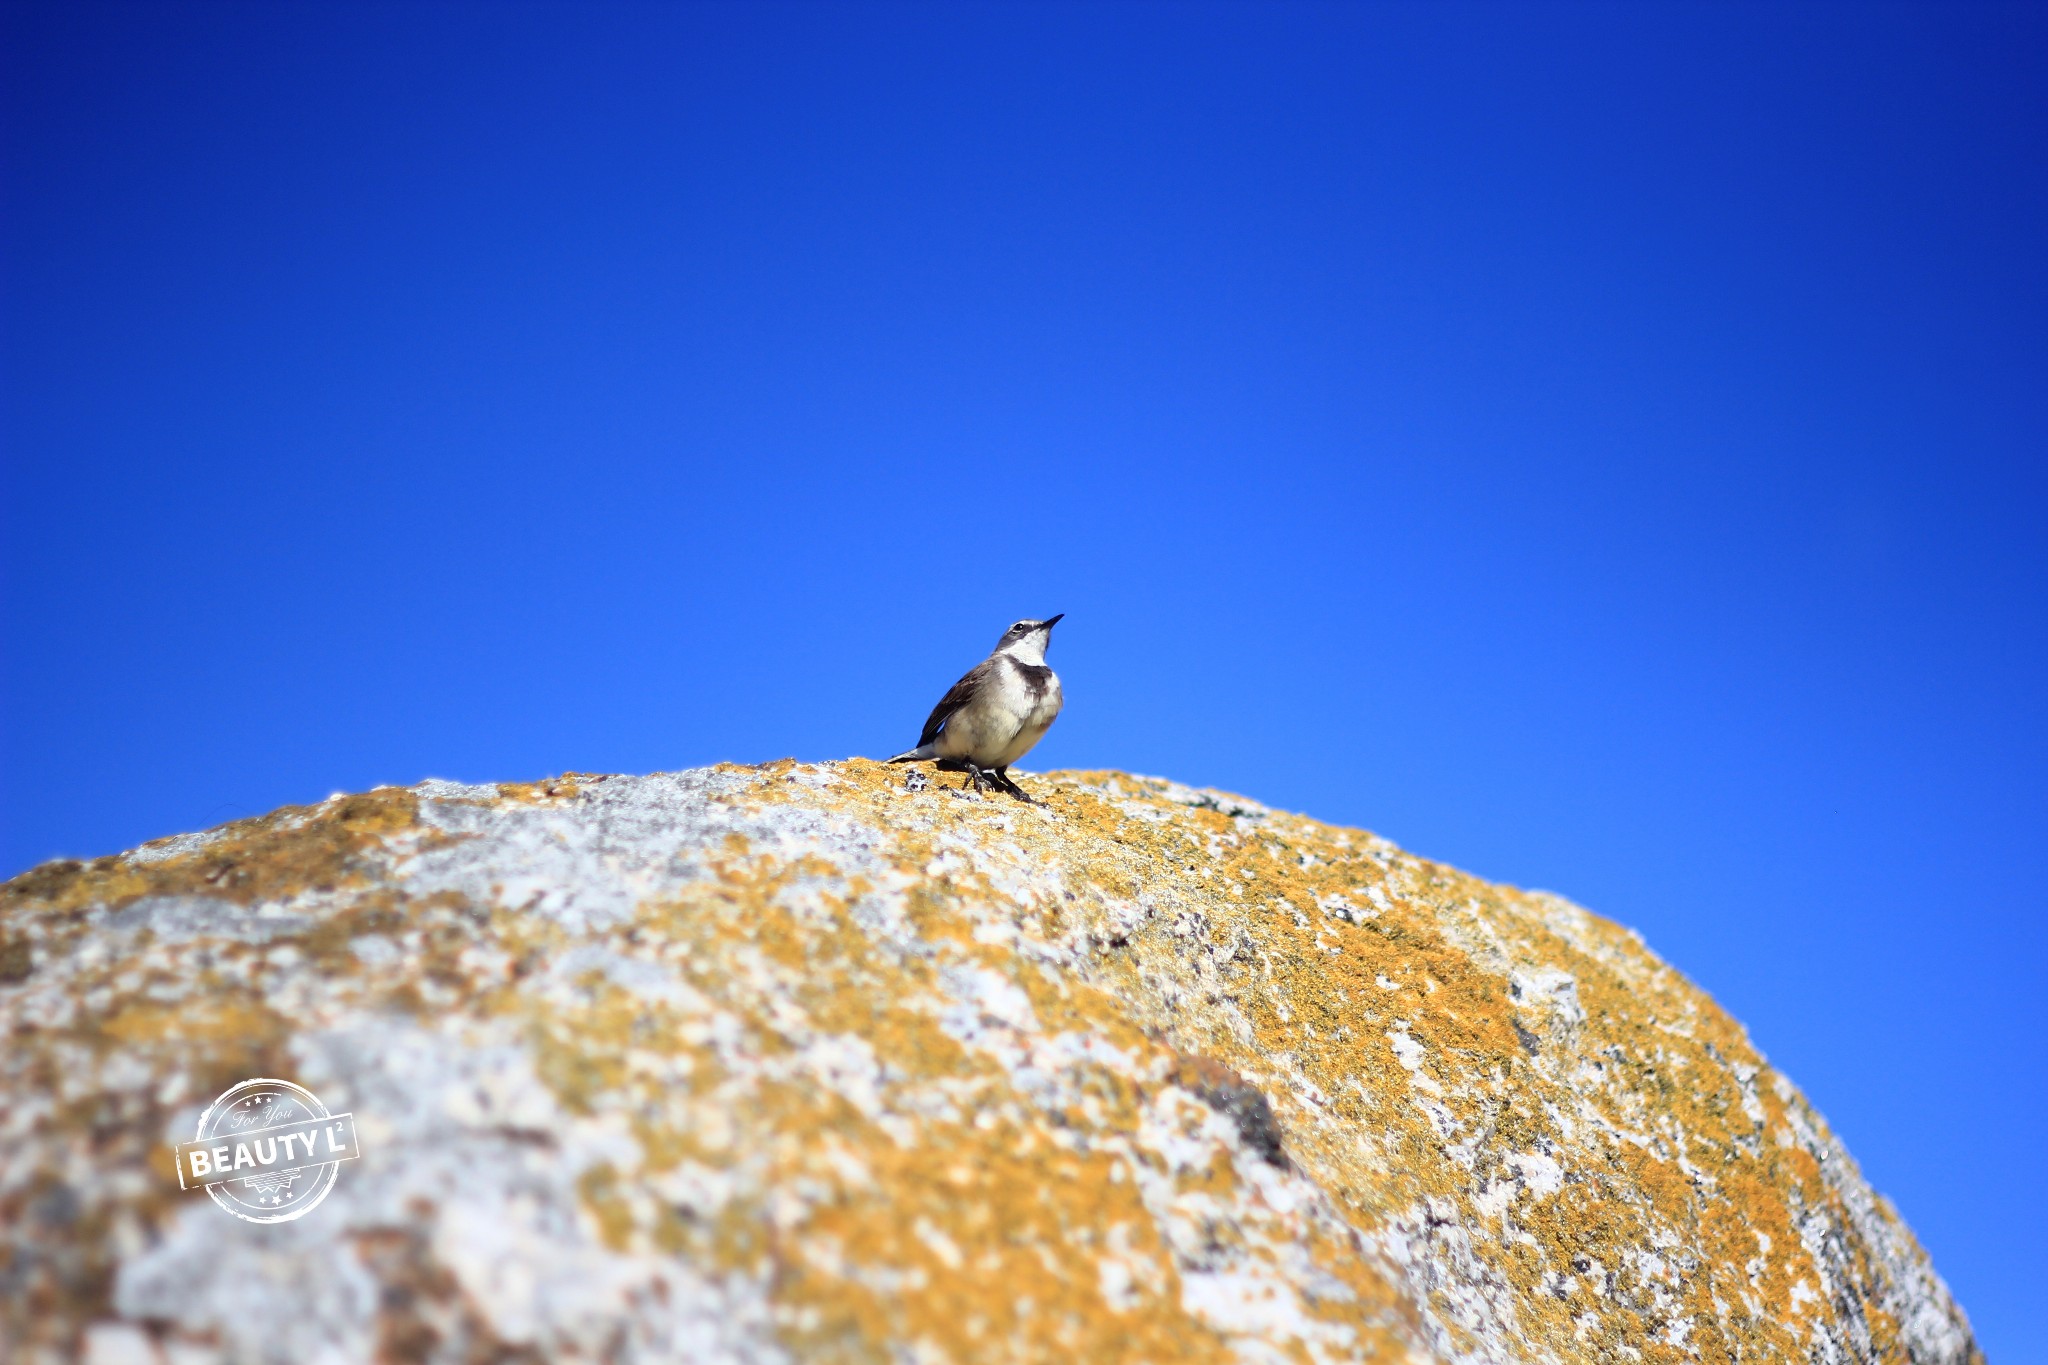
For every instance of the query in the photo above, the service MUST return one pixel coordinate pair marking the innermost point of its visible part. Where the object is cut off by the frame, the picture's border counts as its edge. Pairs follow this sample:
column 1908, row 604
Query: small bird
column 993, row 716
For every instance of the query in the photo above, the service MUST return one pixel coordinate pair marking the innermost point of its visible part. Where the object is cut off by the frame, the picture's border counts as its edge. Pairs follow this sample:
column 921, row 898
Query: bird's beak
column 1053, row 621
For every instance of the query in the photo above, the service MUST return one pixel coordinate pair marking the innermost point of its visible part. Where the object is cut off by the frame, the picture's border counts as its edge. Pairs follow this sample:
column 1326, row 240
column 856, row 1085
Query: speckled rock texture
column 824, row 1063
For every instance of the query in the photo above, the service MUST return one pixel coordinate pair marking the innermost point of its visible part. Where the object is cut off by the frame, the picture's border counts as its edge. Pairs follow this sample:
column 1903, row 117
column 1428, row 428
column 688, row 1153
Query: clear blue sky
column 1605, row 448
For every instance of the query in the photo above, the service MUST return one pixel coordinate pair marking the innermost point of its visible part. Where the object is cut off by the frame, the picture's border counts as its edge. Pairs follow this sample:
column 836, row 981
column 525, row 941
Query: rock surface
column 807, row 1063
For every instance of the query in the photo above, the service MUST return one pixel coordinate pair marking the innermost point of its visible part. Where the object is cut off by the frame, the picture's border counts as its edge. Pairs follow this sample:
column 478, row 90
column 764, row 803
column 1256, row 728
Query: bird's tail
column 922, row 751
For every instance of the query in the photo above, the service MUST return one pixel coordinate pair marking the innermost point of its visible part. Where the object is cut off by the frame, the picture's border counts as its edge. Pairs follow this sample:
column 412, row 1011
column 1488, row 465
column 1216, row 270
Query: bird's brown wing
column 956, row 697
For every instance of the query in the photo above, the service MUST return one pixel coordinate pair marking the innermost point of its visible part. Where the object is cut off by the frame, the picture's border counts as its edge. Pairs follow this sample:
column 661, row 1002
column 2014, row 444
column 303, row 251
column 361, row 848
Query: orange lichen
column 1059, row 1080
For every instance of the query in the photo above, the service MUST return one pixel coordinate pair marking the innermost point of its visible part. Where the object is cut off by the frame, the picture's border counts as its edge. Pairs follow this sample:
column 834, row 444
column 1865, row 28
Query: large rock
column 819, row 1063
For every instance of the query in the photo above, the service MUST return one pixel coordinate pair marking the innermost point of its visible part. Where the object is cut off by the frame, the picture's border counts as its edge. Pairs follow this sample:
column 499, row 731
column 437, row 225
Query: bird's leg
column 1009, row 784
column 978, row 778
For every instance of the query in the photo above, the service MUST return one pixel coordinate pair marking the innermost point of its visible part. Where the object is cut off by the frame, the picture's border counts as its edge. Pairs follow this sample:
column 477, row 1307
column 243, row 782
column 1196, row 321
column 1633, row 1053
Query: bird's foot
column 980, row 779
column 1009, row 784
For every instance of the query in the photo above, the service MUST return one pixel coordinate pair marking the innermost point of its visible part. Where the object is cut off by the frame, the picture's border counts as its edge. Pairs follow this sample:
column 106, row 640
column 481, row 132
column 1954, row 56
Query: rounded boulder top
column 819, row 1062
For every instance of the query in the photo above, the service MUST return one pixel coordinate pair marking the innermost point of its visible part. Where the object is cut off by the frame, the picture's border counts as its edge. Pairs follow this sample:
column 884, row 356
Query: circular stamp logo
column 267, row 1151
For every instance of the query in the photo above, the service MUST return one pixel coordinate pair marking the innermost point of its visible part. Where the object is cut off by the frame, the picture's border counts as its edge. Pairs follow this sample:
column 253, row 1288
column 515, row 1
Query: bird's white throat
column 1030, row 649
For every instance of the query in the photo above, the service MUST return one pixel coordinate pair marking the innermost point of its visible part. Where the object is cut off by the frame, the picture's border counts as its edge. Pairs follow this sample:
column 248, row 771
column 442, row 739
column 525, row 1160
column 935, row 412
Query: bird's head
column 1025, row 642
